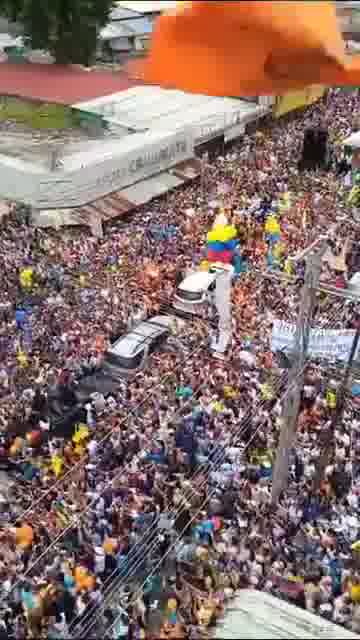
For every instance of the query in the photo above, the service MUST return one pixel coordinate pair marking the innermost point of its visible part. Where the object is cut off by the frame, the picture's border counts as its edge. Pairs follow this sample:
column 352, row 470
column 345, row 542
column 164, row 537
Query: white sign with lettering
column 323, row 343
column 91, row 179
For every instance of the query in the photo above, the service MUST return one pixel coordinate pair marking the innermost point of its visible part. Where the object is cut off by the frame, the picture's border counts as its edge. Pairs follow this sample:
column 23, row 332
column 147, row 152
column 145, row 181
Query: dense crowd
column 147, row 517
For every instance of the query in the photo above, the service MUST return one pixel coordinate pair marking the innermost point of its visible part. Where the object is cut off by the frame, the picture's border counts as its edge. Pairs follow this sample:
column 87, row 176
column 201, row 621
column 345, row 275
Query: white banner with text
column 323, row 343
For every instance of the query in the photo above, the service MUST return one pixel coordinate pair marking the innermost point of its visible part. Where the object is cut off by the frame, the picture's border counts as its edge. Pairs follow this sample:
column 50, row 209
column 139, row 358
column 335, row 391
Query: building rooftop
column 151, row 108
column 121, row 13
column 127, row 28
column 37, row 146
column 148, row 7
column 61, row 84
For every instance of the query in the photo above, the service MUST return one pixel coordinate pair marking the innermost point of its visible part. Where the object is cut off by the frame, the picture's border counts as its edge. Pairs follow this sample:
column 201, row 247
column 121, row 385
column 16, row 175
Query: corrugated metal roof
column 148, row 6
column 6, row 40
column 120, row 203
column 121, row 13
column 111, row 31
column 156, row 109
column 58, row 83
column 126, row 29
column 139, row 26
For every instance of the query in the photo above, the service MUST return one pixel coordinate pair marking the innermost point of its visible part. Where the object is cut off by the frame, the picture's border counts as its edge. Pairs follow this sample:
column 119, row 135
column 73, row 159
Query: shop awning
column 120, row 203
column 151, row 188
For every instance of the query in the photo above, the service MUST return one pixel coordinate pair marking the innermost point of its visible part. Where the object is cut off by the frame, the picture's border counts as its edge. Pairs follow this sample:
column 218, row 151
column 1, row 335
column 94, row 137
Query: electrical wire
column 153, row 545
column 171, row 548
column 140, row 544
column 80, row 463
column 78, row 517
column 333, row 316
column 71, row 471
column 161, row 561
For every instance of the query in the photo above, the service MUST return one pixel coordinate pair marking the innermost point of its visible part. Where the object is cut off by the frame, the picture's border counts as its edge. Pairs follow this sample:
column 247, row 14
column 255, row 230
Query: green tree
column 68, row 29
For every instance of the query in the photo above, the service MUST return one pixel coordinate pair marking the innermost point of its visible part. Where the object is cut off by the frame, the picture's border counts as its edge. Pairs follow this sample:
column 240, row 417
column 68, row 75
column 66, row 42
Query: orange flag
column 249, row 48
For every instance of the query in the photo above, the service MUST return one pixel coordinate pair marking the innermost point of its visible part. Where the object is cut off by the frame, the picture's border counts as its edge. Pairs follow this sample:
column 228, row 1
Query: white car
column 129, row 353
column 127, row 356
column 192, row 295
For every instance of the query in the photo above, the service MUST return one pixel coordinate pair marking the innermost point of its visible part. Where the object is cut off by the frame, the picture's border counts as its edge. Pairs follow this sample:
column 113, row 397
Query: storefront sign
column 149, row 161
column 79, row 181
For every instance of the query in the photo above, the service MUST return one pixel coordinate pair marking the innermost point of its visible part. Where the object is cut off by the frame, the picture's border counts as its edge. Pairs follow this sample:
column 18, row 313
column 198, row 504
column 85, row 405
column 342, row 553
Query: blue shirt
column 28, row 599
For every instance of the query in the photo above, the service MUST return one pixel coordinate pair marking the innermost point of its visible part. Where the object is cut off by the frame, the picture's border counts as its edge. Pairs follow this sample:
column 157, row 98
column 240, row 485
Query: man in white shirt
column 92, row 448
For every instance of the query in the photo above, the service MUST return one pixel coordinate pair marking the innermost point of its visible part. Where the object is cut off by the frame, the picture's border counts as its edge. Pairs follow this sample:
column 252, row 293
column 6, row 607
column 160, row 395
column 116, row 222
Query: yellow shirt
column 218, row 407
column 22, row 359
column 57, row 465
column 26, row 277
column 266, row 392
column 272, row 226
column 331, row 399
column 355, row 592
column 288, row 267
column 229, row 392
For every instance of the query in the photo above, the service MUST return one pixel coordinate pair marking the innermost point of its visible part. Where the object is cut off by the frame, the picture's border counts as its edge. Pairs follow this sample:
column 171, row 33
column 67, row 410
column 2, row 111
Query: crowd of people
column 147, row 517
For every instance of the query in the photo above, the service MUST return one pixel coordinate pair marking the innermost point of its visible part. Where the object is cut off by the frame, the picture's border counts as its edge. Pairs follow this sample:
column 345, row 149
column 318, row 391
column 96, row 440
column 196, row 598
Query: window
column 157, row 342
column 125, row 363
column 189, row 296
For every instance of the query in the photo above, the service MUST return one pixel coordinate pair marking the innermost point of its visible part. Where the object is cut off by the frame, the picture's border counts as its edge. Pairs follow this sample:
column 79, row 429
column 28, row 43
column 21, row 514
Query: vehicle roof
column 355, row 280
column 131, row 343
column 198, row 281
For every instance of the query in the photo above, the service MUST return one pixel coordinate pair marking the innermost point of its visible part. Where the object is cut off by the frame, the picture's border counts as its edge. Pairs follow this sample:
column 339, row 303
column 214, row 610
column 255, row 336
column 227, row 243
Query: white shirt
column 100, row 506
column 92, row 448
column 99, row 560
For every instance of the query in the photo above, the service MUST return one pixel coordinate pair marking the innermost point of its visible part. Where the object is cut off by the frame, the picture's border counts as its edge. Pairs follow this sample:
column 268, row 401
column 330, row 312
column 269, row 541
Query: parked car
column 129, row 353
column 126, row 357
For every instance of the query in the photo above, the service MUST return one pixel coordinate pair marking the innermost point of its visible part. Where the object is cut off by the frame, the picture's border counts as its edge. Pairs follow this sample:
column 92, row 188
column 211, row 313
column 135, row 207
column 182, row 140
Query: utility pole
column 313, row 256
column 327, row 436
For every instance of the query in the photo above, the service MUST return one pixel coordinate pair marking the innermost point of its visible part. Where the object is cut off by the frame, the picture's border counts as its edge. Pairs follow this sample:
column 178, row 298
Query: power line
column 153, row 545
column 78, row 517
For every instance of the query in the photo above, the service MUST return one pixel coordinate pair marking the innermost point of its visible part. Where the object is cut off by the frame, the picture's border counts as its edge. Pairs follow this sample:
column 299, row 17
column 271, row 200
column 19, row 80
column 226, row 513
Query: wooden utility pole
column 313, row 257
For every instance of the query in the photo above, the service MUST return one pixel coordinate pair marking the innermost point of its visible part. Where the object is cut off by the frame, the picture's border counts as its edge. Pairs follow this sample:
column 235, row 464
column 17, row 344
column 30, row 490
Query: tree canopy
column 68, row 29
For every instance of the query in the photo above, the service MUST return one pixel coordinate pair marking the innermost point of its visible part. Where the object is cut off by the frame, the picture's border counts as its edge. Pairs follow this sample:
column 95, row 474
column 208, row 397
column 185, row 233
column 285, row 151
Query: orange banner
column 249, row 48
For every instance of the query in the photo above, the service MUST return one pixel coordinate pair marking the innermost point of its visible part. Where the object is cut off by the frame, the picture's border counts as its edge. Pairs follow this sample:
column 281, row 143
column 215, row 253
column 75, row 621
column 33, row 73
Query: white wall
column 234, row 132
column 20, row 181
